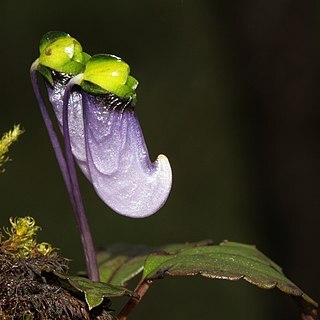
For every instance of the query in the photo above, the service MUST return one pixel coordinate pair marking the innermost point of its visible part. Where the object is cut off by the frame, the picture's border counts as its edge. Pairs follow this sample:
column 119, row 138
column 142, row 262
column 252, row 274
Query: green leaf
column 94, row 292
column 120, row 263
column 230, row 261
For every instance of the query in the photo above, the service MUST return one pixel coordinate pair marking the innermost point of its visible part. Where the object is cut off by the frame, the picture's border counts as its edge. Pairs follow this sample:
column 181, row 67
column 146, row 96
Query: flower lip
column 118, row 161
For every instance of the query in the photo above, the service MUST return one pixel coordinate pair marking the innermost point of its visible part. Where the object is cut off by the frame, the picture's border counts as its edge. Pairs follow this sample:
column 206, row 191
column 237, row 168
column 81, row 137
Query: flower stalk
column 70, row 182
column 86, row 236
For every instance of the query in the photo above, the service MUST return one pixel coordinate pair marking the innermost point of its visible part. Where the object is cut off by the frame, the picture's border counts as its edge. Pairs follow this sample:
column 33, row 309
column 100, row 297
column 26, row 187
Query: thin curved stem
column 86, row 237
column 52, row 134
column 73, row 189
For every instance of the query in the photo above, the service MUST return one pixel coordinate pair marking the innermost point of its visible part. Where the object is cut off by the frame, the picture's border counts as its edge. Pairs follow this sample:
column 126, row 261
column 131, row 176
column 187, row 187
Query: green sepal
column 134, row 99
column 46, row 73
column 85, row 58
column 92, row 88
column 73, row 67
column 95, row 90
column 132, row 83
column 128, row 89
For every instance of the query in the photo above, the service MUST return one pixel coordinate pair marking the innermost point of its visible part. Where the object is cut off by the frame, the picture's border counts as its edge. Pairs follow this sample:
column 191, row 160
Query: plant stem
column 70, row 180
column 141, row 290
column 52, row 134
column 86, row 236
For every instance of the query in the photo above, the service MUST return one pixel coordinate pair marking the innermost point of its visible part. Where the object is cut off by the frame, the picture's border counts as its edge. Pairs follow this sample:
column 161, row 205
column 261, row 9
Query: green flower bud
column 108, row 73
column 60, row 52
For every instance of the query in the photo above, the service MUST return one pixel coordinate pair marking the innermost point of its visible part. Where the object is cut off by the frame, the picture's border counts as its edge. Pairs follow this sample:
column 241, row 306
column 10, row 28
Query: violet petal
column 118, row 160
column 75, row 116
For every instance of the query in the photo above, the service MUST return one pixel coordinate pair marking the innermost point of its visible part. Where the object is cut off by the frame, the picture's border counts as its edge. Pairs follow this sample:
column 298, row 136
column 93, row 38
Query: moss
column 28, row 291
column 21, row 240
column 29, row 288
column 6, row 141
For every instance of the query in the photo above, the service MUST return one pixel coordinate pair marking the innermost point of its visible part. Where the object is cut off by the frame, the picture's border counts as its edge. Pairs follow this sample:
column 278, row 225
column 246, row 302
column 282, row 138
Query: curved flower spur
column 96, row 111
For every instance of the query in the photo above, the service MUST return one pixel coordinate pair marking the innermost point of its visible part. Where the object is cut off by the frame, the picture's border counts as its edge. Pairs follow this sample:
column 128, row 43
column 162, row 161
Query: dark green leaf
column 95, row 292
column 120, row 262
column 231, row 261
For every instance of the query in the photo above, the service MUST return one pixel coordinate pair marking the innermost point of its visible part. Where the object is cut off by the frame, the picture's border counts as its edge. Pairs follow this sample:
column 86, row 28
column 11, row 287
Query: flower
column 98, row 106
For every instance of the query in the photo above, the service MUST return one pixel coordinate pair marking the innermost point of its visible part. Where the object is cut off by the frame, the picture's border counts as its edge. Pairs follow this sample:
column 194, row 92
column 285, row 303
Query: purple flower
column 109, row 147
column 94, row 100
column 118, row 160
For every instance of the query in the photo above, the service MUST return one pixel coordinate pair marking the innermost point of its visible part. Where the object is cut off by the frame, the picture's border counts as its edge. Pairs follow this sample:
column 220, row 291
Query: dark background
column 229, row 91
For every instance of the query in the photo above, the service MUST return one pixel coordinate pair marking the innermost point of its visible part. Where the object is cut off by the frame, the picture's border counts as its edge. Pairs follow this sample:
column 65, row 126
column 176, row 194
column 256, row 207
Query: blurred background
column 229, row 91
